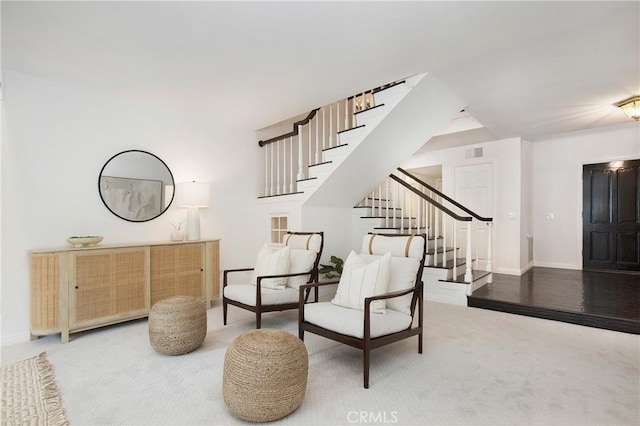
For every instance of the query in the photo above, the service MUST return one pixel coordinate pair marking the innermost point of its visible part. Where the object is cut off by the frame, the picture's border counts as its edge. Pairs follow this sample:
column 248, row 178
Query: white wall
column 557, row 187
column 55, row 140
column 526, row 206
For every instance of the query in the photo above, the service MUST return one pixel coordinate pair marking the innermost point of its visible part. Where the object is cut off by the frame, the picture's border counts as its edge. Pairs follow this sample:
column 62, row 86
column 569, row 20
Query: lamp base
column 193, row 224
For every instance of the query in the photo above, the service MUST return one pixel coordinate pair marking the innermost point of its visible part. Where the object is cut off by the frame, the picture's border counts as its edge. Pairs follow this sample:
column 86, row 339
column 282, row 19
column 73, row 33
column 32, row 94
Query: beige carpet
column 479, row 367
column 30, row 395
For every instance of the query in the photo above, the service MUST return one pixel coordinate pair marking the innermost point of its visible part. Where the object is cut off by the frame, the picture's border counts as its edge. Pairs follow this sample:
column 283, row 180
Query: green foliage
column 334, row 270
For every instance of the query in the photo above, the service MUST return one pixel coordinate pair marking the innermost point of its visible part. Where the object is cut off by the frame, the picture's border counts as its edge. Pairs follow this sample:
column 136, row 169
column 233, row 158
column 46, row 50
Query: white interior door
column 474, row 190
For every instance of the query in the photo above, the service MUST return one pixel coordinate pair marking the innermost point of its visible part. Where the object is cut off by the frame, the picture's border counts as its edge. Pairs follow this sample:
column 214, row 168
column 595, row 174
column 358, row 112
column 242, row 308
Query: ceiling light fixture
column 631, row 107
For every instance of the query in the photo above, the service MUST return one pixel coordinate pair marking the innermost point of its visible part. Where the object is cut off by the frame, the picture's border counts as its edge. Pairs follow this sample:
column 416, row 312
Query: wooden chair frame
column 259, row 308
column 367, row 344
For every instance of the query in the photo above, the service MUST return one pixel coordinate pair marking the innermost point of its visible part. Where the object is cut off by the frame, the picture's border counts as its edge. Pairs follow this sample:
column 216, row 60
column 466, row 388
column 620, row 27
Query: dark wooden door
column 611, row 216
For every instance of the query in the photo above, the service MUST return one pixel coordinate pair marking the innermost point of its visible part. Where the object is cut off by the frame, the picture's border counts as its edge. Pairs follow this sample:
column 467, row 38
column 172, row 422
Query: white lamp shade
column 193, row 194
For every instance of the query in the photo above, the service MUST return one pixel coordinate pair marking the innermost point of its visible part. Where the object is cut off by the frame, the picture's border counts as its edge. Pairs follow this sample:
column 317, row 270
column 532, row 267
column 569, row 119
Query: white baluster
column 455, row 247
column 386, row 213
column 300, row 154
column 324, row 126
column 273, row 189
column 310, row 145
column 291, row 167
column 346, row 113
column 330, row 124
column 316, row 120
column 278, row 167
column 444, row 240
column 266, row 170
column 468, row 275
column 337, row 118
column 489, row 265
column 477, row 245
column 436, row 234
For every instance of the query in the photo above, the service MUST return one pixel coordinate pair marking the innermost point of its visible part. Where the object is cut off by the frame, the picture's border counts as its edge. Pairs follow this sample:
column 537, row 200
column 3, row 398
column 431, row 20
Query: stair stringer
column 421, row 114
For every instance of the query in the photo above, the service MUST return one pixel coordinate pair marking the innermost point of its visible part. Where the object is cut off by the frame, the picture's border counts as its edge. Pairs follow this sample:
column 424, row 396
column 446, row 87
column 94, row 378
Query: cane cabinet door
column 108, row 286
column 177, row 270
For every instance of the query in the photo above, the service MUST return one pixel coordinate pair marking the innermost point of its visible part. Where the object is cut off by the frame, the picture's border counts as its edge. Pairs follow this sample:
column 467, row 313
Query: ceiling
column 523, row 68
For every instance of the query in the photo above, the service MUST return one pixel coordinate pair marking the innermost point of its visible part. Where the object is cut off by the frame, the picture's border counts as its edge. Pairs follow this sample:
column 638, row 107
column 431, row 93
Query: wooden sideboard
column 76, row 289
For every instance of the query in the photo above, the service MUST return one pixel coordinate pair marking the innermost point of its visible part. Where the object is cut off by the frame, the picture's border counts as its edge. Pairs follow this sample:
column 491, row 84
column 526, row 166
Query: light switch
column 548, row 216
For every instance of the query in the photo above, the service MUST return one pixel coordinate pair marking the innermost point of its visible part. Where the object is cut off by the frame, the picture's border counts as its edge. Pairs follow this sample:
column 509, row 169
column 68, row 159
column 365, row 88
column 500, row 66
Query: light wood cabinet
column 78, row 289
column 177, row 270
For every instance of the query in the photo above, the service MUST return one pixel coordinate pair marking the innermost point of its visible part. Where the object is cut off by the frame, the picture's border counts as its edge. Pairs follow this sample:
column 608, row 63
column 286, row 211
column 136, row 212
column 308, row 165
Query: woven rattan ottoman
column 177, row 325
column 265, row 375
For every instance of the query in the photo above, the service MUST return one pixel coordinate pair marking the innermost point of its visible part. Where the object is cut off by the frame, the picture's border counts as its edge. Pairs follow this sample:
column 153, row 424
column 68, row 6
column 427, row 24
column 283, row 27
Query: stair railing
column 409, row 205
column 479, row 224
column 287, row 157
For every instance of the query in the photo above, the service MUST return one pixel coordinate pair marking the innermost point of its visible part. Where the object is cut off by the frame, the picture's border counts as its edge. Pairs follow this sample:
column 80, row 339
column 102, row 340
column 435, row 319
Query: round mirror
column 136, row 185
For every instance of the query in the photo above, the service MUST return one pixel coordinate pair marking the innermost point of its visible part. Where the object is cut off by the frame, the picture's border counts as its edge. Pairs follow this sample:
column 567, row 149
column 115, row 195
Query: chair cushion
column 246, row 293
column 272, row 260
column 363, row 277
column 401, row 246
column 351, row 321
column 403, row 276
column 305, row 241
column 300, row 261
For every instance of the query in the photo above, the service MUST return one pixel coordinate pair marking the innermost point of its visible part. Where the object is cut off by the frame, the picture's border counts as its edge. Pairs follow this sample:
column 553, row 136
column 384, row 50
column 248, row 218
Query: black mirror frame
column 142, row 152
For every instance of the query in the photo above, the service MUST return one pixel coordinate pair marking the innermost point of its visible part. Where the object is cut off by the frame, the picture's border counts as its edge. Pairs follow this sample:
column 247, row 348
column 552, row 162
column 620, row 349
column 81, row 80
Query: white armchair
column 279, row 272
column 376, row 299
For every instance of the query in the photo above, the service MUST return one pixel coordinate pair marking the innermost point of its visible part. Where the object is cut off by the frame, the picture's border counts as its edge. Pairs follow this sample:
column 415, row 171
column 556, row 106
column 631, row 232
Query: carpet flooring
column 479, row 367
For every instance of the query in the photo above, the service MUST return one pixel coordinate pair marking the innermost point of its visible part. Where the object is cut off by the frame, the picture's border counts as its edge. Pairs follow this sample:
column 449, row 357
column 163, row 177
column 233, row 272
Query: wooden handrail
column 449, row 199
column 312, row 114
column 430, row 200
column 378, row 89
column 295, row 129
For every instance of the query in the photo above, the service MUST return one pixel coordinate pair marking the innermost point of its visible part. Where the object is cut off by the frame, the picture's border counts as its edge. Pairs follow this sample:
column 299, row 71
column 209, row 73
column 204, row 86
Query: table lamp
column 193, row 195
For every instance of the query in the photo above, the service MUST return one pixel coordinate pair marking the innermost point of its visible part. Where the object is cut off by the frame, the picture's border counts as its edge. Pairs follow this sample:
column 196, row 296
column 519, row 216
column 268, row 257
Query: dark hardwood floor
column 595, row 299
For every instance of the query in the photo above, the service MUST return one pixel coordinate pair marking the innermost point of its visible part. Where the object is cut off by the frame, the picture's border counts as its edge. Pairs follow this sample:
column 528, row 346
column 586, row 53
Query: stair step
column 377, row 199
column 477, row 275
column 335, row 147
column 431, row 252
column 370, row 116
column 306, row 179
column 281, row 195
column 460, row 261
column 348, row 130
column 368, row 109
column 371, row 207
column 320, row 164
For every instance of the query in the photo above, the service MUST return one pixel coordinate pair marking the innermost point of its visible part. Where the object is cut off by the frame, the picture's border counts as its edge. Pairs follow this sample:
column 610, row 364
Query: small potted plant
column 332, row 271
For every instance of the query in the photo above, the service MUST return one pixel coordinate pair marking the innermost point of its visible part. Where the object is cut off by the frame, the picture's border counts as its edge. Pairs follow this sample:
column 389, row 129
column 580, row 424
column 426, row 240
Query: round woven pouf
column 177, row 325
column 265, row 375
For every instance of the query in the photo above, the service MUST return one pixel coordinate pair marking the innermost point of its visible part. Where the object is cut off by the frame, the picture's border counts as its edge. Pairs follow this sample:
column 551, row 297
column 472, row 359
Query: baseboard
column 557, row 265
column 16, row 338
column 508, row 271
column 514, row 271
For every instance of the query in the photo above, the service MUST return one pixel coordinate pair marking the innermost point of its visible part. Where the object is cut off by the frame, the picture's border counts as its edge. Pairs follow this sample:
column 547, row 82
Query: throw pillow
column 272, row 261
column 300, row 261
column 363, row 277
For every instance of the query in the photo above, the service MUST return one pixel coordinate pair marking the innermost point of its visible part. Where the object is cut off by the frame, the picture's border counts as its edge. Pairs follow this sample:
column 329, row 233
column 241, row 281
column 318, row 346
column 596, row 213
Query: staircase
column 332, row 156
column 459, row 241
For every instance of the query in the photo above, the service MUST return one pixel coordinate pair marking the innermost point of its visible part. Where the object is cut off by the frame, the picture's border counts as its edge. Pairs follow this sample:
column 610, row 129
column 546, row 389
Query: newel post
column 468, row 275
column 489, row 264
